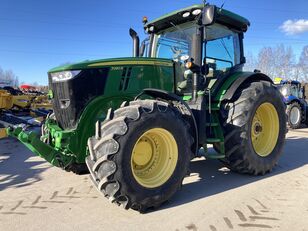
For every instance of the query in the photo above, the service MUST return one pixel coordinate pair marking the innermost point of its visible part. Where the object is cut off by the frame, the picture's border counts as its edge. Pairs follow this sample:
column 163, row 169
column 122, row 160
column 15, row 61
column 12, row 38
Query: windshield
column 284, row 90
column 175, row 42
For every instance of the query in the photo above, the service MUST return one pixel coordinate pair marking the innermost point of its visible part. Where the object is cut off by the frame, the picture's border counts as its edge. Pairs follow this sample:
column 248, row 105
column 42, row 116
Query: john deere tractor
column 183, row 90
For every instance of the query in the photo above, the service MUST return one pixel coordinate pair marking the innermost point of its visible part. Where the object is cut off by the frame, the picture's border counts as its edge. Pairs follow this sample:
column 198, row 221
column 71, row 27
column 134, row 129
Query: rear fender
column 242, row 79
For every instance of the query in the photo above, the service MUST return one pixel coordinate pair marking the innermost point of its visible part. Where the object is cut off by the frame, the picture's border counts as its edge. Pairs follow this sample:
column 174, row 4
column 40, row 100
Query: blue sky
column 38, row 35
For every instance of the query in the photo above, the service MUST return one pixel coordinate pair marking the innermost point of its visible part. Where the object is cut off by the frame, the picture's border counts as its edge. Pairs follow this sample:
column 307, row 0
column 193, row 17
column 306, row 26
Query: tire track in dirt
column 43, row 202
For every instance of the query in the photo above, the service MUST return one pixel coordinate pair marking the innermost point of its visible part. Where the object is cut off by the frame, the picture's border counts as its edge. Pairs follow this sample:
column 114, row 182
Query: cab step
column 212, row 108
column 214, row 156
column 213, row 140
column 212, row 124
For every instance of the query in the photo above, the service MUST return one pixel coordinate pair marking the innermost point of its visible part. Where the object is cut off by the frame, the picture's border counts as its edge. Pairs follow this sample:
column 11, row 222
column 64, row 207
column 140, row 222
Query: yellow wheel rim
column 265, row 129
column 154, row 157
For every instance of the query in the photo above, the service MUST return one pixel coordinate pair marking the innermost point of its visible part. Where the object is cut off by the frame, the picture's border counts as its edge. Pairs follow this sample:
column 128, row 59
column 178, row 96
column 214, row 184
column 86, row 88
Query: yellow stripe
column 122, row 63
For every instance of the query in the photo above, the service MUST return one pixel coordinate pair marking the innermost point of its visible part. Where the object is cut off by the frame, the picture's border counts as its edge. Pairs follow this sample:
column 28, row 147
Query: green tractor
column 183, row 90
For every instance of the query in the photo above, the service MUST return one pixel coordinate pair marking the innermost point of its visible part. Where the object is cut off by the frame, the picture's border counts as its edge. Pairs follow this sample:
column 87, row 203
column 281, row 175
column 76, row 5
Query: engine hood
column 113, row 62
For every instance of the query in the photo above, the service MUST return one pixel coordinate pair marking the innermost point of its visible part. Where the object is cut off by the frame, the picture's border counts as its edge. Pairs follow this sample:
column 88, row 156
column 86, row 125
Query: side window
column 222, row 49
column 294, row 91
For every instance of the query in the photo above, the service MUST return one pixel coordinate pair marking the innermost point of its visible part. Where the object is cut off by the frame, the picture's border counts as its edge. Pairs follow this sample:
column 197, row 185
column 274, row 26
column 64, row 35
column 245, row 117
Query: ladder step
column 213, row 140
column 212, row 124
column 212, row 108
column 214, row 156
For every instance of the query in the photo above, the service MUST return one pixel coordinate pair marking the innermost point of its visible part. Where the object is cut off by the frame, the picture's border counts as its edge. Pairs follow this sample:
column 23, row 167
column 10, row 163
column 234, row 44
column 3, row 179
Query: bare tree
column 8, row 77
column 276, row 61
column 303, row 64
column 251, row 62
column 265, row 61
column 284, row 62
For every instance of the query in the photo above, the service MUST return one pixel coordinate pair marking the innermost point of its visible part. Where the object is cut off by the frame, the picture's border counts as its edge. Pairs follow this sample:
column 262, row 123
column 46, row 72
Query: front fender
column 95, row 110
column 169, row 96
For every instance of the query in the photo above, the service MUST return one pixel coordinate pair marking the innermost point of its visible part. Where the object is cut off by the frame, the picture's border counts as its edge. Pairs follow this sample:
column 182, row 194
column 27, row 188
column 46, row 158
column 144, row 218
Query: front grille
column 72, row 96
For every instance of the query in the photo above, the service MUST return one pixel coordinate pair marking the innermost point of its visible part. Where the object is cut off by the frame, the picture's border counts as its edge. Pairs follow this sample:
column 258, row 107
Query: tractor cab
column 290, row 90
column 204, row 40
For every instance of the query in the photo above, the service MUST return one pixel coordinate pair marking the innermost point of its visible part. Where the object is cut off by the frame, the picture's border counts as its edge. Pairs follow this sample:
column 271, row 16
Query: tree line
column 280, row 62
column 7, row 77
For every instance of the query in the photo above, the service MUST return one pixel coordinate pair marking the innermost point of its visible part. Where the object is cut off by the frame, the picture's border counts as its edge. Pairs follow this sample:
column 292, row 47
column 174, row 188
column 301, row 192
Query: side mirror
column 209, row 15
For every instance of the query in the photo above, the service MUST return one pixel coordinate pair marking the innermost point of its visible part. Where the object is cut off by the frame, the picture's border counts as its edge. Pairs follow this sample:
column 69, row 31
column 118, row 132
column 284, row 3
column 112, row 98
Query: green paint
column 227, row 84
column 177, row 13
column 113, row 62
column 50, row 94
column 71, row 145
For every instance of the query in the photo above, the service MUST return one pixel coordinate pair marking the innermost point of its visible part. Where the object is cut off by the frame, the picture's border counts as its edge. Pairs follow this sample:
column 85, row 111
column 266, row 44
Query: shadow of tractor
column 213, row 177
column 19, row 167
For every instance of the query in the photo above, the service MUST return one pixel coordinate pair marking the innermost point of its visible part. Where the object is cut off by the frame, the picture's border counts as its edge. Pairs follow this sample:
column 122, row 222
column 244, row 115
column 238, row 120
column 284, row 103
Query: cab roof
column 224, row 17
column 292, row 82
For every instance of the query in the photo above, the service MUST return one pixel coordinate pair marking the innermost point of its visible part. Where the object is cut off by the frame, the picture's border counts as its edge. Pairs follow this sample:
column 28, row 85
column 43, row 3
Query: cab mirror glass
column 209, row 13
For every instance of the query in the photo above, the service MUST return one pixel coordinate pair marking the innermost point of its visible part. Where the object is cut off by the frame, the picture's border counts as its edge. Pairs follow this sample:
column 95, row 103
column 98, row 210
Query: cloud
column 293, row 27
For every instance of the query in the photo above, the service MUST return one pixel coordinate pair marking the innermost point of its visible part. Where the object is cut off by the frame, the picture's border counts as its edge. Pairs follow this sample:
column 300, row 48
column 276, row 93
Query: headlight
column 64, row 75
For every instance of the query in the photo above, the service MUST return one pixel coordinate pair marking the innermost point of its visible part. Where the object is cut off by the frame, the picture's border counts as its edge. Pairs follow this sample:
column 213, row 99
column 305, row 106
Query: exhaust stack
column 136, row 42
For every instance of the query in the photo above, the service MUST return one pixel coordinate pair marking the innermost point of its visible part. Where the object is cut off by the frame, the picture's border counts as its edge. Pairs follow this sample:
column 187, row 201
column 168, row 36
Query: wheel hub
column 154, row 157
column 257, row 128
column 142, row 153
column 265, row 129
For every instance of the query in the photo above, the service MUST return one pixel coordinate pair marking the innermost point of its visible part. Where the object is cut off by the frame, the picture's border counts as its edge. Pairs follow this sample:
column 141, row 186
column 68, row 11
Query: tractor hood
column 73, row 87
column 113, row 62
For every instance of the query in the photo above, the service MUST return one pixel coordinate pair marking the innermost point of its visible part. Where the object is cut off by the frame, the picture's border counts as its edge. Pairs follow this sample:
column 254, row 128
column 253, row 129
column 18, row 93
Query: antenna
column 222, row 6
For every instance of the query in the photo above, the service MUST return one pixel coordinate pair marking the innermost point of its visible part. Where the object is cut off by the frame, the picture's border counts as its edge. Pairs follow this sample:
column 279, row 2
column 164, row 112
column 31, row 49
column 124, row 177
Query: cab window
column 222, row 49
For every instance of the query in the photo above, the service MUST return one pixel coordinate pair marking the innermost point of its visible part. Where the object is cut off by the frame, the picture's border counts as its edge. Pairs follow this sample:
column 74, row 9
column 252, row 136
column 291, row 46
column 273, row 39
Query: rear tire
column 140, row 154
column 294, row 113
column 254, row 124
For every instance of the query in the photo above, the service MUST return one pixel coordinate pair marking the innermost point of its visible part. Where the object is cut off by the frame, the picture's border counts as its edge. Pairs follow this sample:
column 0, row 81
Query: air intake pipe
column 136, row 42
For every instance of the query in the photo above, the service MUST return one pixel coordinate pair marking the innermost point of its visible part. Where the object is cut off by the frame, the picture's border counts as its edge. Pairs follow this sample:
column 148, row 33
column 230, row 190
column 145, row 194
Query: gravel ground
column 36, row 196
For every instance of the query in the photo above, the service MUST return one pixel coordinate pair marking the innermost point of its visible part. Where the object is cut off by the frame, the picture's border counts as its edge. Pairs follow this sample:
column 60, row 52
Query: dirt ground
column 36, row 196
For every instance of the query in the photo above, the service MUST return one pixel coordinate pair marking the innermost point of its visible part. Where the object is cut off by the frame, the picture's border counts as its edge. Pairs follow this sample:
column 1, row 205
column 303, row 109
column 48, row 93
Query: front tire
column 294, row 113
column 140, row 154
column 254, row 124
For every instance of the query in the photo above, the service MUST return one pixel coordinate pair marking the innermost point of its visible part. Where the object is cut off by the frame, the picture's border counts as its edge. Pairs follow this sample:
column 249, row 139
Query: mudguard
column 169, row 96
column 244, row 77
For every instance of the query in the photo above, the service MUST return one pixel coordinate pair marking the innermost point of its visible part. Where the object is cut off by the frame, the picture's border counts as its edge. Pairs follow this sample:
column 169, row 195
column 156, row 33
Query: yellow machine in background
column 6, row 100
column 6, row 103
column 22, row 101
column 41, row 101
column 20, row 105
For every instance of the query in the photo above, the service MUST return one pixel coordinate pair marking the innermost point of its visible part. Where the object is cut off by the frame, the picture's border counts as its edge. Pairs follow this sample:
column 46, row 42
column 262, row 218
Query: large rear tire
column 254, row 124
column 294, row 113
column 140, row 154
